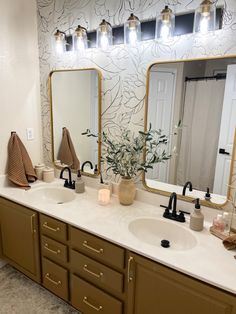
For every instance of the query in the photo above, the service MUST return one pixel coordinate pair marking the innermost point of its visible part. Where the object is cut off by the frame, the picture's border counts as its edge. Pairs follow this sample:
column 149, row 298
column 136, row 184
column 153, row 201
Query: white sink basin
column 153, row 231
column 51, row 195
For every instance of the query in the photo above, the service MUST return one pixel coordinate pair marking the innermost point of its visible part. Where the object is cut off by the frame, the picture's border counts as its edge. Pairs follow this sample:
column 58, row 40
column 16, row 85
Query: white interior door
column 227, row 127
column 160, row 114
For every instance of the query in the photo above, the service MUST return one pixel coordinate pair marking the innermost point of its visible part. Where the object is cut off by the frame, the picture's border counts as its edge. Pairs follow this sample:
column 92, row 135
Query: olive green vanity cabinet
column 95, row 275
column 19, row 238
column 154, row 288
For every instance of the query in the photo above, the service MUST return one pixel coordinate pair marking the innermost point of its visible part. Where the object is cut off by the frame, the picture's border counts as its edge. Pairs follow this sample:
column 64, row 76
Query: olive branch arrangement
column 128, row 154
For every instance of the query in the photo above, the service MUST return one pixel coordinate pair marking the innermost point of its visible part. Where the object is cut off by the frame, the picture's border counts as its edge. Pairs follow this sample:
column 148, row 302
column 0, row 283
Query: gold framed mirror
column 75, row 99
column 201, row 93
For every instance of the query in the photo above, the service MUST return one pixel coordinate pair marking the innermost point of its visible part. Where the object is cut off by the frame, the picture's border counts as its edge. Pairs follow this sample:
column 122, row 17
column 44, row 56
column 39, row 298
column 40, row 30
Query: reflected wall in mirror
column 76, row 106
column 202, row 95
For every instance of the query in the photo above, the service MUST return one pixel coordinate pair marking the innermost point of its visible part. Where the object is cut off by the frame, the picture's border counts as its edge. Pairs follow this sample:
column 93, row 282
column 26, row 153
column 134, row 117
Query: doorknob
column 222, row 151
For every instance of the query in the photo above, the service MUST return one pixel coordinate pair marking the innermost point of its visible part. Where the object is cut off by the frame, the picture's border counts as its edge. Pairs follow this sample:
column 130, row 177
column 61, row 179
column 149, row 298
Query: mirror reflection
column 75, row 104
column 202, row 95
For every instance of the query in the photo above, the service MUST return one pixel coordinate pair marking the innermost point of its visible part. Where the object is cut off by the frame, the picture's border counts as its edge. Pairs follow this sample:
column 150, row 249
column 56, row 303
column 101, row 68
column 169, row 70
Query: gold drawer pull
column 57, row 283
column 85, row 268
column 85, row 244
column 32, row 223
column 45, row 225
column 85, row 300
column 131, row 259
column 50, row 250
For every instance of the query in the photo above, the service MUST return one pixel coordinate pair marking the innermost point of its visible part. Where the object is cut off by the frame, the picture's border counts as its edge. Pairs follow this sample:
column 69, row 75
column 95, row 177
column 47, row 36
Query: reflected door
column 227, row 127
column 160, row 114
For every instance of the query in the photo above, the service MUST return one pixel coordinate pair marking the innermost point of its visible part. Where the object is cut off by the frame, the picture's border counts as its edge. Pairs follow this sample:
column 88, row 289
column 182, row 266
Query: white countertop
column 208, row 261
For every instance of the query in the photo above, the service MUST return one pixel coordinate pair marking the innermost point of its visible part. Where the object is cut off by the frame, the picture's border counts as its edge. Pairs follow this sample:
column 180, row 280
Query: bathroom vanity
column 89, row 256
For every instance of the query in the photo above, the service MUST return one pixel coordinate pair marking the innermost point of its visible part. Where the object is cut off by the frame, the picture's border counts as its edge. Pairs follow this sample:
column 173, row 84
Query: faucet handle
column 66, row 183
column 181, row 217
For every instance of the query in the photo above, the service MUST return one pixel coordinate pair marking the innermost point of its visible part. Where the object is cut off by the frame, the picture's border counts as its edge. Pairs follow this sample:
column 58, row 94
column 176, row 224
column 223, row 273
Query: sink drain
column 165, row 243
column 60, row 203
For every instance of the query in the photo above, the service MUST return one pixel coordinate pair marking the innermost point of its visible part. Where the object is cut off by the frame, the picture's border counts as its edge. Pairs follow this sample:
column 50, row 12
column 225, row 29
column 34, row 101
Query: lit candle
column 103, row 196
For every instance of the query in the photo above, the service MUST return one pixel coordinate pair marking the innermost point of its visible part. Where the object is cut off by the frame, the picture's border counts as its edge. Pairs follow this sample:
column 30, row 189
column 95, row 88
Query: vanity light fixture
column 165, row 24
column 205, row 16
column 80, row 40
column 132, row 30
column 59, row 42
column 104, row 35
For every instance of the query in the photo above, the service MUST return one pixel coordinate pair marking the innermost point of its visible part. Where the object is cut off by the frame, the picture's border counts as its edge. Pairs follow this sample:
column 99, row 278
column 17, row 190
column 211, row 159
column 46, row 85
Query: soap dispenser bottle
column 196, row 217
column 79, row 184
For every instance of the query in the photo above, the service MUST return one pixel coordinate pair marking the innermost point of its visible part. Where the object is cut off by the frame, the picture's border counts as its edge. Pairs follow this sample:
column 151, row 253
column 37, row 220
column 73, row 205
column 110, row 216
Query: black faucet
column 188, row 183
column 86, row 162
column 170, row 213
column 68, row 183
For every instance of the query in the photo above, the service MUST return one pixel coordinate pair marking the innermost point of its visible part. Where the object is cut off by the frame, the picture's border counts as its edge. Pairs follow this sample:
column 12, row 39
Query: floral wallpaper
column 123, row 68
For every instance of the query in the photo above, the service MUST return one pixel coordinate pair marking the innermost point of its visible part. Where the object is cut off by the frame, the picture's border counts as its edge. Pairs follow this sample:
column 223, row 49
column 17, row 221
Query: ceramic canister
column 48, row 174
column 39, row 171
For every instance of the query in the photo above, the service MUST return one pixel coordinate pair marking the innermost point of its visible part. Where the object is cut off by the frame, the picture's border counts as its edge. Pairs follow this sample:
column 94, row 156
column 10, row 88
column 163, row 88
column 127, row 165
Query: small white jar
column 48, row 174
column 39, row 171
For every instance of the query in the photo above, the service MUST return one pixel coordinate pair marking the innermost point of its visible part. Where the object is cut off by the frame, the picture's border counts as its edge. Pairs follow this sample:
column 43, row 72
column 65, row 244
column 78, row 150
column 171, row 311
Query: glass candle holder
column 104, row 196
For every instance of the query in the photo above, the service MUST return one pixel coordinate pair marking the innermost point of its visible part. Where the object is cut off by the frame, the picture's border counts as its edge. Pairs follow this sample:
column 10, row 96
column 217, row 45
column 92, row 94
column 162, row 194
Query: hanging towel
column 20, row 168
column 67, row 154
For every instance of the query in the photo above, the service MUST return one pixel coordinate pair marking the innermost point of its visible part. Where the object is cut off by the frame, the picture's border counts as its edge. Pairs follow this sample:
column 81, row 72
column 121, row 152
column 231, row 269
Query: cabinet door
column 19, row 238
column 154, row 288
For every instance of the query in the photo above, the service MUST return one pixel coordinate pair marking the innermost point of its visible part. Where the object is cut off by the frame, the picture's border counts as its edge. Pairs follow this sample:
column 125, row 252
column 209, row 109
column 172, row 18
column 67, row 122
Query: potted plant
column 129, row 155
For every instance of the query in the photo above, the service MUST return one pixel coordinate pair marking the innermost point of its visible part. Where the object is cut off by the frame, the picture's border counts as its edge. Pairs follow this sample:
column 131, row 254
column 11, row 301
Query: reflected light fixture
column 132, row 30
column 80, row 40
column 205, row 16
column 104, row 35
column 60, row 43
column 165, row 24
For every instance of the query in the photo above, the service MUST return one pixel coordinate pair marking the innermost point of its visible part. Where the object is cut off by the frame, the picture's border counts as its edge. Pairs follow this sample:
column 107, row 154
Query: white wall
column 19, row 77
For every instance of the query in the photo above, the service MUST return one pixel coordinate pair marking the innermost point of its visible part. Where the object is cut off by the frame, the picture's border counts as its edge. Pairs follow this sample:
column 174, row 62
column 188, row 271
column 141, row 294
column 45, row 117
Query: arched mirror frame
column 233, row 162
column 99, row 116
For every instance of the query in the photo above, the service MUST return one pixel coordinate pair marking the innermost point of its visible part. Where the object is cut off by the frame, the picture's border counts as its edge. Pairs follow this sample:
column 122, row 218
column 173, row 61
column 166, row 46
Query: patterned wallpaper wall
column 123, row 68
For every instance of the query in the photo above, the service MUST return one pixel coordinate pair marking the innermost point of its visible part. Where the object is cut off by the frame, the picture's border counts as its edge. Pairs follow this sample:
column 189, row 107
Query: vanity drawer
column 53, row 228
column 89, row 300
column 53, row 249
column 55, row 278
column 96, row 272
column 97, row 248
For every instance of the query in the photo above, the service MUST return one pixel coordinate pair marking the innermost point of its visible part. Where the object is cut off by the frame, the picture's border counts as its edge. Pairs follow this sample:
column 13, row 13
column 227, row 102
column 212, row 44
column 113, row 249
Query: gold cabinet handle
column 56, row 283
column 99, row 251
column 45, row 225
column 32, row 224
column 85, row 268
column 99, row 308
column 130, row 278
column 50, row 250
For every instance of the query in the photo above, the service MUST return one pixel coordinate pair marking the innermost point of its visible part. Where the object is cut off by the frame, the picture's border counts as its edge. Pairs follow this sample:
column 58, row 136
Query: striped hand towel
column 20, row 168
column 67, row 154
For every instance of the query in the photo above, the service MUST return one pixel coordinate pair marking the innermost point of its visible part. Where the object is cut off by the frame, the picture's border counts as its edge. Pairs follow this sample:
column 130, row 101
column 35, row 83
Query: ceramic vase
column 126, row 191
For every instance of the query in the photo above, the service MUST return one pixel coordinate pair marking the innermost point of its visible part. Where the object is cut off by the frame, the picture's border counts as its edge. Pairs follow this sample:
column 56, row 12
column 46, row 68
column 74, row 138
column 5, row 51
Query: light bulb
column 204, row 24
column 80, row 44
column 132, row 36
column 165, row 31
column 104, row 41
column 59, row 45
